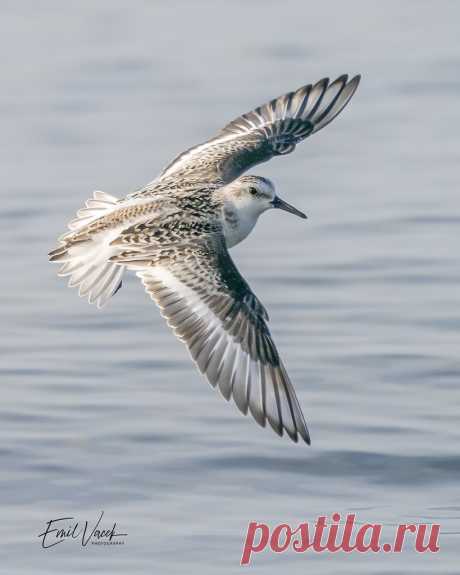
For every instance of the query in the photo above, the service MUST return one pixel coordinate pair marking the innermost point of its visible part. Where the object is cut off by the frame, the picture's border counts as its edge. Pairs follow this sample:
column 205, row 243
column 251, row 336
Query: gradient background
column 103, row 410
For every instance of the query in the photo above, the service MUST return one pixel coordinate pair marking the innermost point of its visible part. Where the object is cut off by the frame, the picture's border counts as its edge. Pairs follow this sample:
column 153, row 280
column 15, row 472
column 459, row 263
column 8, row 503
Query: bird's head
column 254, row 195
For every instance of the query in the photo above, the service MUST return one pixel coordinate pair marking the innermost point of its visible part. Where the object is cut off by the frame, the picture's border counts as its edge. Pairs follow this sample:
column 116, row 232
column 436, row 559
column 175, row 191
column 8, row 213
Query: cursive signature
column 66, row 528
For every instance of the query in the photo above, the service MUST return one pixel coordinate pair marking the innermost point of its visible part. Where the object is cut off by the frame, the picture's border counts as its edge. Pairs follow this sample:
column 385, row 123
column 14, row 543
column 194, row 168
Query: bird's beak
column 282, row 205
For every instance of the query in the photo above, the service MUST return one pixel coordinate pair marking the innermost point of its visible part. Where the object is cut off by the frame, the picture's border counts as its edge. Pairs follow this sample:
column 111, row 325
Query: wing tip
column 355, row 81
column 306, row 436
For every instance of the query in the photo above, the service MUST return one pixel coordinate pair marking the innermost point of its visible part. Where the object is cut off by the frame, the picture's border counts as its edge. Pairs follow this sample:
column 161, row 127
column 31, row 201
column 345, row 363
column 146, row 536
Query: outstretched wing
column 270, row 130
column 213, row 311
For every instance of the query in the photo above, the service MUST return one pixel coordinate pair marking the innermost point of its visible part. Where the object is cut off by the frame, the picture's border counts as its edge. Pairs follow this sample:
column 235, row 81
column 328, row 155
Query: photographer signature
column 65, row 528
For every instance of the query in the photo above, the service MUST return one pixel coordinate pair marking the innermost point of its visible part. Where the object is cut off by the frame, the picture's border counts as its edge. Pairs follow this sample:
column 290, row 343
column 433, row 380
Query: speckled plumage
column 175, row 233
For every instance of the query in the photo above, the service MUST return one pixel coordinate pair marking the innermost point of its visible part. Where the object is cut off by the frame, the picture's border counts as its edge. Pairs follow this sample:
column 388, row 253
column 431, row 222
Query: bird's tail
column 84, row 257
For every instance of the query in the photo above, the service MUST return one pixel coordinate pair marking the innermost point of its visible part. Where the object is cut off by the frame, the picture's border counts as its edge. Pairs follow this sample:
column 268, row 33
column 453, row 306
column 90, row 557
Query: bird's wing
column 211, row 308
column 270, row 130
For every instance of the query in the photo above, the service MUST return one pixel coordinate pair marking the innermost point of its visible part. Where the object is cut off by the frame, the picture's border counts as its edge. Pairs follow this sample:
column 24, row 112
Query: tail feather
column 99, row 205
column 86, row 262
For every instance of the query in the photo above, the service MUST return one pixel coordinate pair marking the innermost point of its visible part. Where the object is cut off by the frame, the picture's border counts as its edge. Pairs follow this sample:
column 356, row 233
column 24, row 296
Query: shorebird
column 175, row 233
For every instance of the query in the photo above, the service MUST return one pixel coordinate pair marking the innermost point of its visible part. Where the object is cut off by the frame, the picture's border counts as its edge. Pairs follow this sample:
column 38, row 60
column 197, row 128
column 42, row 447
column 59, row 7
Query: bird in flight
column 175, row 233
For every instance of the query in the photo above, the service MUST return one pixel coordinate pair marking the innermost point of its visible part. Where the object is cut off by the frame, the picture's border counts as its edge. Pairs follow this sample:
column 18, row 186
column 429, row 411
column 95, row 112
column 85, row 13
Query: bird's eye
column 253, row 191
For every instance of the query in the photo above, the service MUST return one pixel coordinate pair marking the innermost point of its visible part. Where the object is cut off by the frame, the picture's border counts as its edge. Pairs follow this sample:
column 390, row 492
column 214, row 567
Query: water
column 102, row 410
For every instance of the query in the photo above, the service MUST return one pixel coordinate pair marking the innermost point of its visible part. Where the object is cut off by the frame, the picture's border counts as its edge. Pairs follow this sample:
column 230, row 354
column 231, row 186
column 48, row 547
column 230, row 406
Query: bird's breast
column 236, row 226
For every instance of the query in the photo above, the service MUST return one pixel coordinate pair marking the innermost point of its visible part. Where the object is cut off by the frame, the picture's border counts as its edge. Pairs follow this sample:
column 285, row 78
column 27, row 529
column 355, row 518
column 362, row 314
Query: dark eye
column 253, row 191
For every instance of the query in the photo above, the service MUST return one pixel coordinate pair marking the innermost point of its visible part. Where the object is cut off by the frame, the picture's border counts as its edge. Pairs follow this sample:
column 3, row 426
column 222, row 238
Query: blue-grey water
column 103, row 410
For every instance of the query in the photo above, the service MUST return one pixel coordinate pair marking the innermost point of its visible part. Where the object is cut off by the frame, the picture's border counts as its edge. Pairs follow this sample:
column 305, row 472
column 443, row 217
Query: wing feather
column 272, row 129
column 211, row 308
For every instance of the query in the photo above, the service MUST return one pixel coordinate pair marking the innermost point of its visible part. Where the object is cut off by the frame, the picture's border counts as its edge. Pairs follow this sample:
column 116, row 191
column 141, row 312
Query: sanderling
column 175, row 233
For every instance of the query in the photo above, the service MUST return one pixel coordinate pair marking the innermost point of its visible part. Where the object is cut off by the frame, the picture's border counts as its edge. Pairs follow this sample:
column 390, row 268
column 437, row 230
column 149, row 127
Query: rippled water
column 104, row 411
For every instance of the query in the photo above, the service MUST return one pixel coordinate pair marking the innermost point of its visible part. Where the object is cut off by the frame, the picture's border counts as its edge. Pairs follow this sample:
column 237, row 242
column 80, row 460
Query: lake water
column 103, row 410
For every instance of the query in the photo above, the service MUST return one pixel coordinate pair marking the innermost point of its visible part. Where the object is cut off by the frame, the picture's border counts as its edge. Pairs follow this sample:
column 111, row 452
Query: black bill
column 282, row 205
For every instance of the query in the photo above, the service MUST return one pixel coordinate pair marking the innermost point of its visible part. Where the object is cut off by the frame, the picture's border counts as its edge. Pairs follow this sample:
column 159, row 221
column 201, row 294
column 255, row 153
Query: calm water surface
column 102, row 410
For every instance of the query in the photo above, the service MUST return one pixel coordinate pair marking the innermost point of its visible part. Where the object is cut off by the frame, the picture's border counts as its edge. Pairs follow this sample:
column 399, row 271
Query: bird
column 175, row 234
